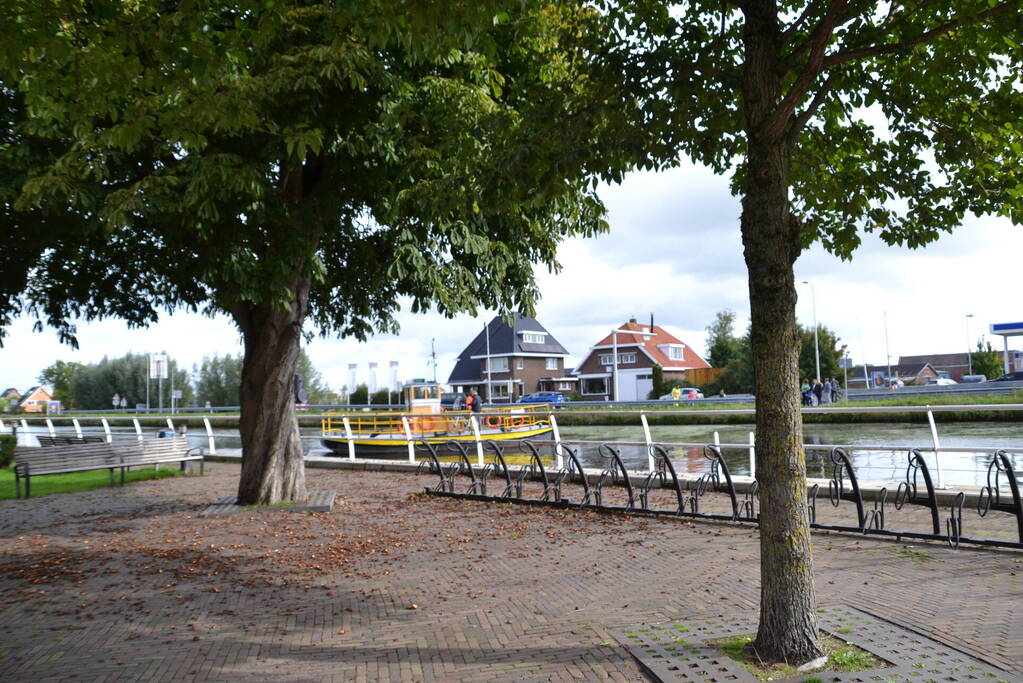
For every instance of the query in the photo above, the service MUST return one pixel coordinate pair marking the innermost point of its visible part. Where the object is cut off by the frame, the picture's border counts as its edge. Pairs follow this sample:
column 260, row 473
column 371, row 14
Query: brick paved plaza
column 131, row 584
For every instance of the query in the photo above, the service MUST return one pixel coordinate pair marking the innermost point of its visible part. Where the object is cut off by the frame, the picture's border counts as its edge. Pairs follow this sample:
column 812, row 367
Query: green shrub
column 7, row 444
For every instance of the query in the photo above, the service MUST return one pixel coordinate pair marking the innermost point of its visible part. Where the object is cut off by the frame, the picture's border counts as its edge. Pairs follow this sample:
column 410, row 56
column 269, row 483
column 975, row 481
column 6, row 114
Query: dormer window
column 534, row 338
column 675, row 352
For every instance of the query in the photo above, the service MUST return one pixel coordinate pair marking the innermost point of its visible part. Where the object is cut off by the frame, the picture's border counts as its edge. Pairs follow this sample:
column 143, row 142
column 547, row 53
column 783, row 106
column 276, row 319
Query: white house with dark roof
column 524, row 358
column 640, row 348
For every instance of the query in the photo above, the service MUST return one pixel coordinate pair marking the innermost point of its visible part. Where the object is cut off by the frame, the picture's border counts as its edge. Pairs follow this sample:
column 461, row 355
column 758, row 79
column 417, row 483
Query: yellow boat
column 386, row 434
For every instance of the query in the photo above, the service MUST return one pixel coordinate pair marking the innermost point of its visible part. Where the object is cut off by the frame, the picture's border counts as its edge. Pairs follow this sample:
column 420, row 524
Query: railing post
column 106, row 429
column 559, row 458
column 2, row 427
column 348, row 435
column 649, row 442
column 138, row 427
column 78, row 427
column 937, row 452
column 479, row 444
column 752, row 457
column 24, row 426
column 209, row 435
column 170, row 425
column 408, row 436
column 49, row 427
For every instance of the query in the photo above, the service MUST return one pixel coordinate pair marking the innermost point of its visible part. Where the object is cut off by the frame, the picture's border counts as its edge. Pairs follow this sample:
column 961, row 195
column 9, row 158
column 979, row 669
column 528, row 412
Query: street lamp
column 969, row 353
column 816, row 343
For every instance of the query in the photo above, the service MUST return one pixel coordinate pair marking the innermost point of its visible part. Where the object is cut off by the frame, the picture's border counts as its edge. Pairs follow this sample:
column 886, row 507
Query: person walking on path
column 676, row 394
column 826, row 392
column 477, row 402
column 818, row 391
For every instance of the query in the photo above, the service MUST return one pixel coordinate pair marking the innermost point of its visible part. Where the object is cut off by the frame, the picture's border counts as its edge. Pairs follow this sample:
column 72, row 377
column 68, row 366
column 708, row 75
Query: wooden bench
column 68, row 440
column 118, row 455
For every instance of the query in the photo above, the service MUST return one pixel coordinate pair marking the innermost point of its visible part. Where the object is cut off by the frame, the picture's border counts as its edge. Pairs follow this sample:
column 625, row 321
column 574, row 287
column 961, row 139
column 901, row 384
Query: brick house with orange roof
column 637, row 355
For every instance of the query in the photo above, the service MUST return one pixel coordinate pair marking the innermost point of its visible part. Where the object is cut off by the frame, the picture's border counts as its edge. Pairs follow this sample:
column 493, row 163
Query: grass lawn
column 80, row 481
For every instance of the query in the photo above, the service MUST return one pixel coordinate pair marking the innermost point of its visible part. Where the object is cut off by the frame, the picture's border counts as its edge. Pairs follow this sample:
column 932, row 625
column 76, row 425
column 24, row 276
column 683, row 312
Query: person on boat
column 477, row 402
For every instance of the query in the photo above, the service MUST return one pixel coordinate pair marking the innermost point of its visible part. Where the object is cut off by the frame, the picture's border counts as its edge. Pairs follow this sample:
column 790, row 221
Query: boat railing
column 499, row 418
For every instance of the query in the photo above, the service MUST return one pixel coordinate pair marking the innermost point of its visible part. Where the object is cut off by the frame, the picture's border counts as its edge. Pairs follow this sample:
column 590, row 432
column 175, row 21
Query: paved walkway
column 130, row 583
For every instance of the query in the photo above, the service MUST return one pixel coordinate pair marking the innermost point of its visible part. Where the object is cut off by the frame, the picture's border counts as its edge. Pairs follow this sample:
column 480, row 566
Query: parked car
column 942, row 382
column 688, row 394
column 1010, row 377
column 543, row 397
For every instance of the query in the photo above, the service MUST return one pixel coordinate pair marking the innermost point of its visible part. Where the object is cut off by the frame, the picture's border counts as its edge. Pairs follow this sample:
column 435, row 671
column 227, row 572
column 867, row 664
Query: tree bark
column 272, row 459
column 788, row 628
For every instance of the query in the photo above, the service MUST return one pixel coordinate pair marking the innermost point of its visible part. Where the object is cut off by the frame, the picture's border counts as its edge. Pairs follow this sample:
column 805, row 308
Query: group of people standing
column 816, row 392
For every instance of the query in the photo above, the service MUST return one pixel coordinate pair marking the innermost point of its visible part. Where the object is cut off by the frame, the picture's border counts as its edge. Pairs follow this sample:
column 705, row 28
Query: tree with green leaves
column 219, row 380
column 299, row 166
column 834, row 118
column 61, row 377
column 94, row 384
column 830, row 353
column 985, row 360
column 722, row 344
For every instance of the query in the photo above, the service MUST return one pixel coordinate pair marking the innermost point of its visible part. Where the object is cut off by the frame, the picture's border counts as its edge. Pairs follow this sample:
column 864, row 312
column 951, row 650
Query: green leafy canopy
column 203, row 155
column 902, row 117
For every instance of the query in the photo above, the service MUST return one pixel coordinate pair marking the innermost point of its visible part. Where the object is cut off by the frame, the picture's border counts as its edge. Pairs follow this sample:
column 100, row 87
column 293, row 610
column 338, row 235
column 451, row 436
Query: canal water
column 882, row 465
column 886, row 464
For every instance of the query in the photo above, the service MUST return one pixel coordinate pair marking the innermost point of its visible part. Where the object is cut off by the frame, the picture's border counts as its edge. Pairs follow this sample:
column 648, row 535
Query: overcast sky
column 674, row 250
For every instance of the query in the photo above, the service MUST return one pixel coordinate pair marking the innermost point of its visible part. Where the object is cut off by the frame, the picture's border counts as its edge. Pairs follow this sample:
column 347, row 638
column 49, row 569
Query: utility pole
column 816, row 343
column 433, row 356
column 969, row 351
column 486, row 333
column 887, row 350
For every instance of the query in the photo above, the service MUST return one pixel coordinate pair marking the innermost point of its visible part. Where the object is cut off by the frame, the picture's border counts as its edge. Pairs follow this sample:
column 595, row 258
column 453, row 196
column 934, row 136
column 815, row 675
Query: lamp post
column 969, row 353
column 816, row 343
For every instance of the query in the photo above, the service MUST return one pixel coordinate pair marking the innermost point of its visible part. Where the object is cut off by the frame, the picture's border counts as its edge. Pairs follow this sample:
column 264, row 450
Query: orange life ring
column 516, row 422
column 493, row 422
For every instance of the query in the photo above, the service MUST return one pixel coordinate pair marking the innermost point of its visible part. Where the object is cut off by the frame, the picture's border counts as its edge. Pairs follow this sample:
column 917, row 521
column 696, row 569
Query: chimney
column 632, row 320
column 651, row 322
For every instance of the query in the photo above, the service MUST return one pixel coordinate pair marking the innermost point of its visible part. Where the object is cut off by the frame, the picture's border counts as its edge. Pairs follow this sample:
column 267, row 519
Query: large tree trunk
column 272, row 460
column 788, row 619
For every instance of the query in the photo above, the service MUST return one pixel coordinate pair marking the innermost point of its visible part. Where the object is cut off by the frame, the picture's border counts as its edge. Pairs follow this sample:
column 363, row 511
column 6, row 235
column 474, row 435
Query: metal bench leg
column 17, row 485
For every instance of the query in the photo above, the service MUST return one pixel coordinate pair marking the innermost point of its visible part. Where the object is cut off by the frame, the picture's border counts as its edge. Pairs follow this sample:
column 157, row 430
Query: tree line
column 216, row 380
column 733, row 353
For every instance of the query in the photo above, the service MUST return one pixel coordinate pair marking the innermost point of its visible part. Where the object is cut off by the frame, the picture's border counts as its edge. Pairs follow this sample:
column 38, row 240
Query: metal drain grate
column 678, row 651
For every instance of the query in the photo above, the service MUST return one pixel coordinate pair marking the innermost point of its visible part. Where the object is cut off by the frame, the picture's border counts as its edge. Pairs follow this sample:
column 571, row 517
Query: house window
column 623, row 358
column 564, row 386
column 498, row 365
column 533, row 338
column 520, row 363
column 552, row 363
column 675, row 352
column 500, row 390
column 595, row 385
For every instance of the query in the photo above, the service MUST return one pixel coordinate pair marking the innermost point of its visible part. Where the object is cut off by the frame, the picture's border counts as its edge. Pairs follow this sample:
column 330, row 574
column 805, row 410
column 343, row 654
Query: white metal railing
column 134, row 430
